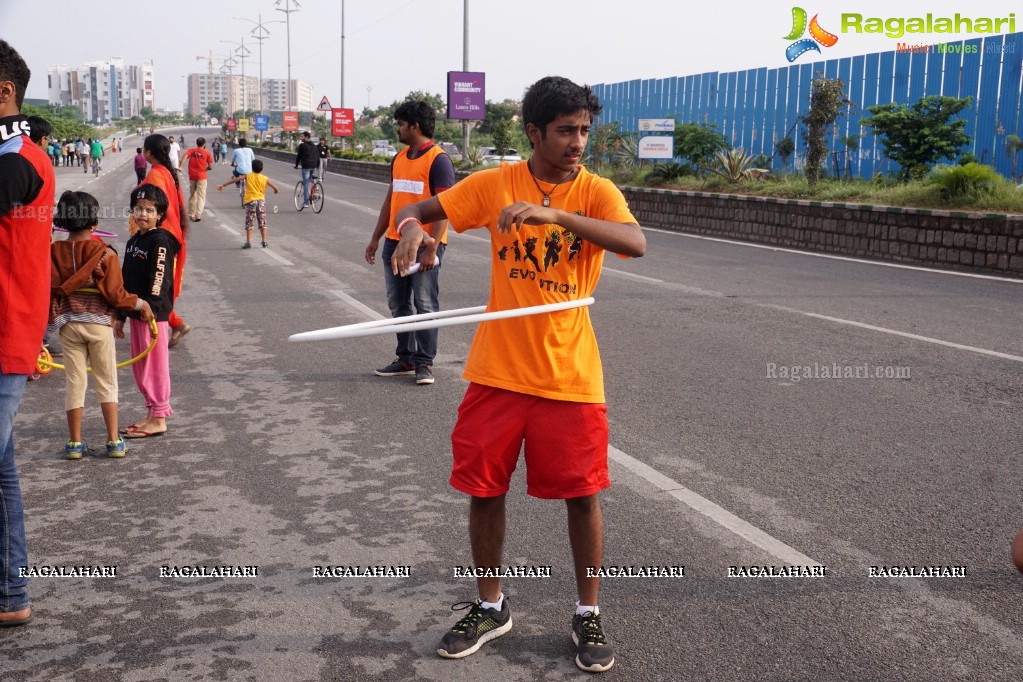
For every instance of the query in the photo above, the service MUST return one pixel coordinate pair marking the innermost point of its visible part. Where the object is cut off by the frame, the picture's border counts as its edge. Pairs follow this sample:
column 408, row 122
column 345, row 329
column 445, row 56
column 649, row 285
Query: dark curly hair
column 554, row 96
column 13, row 68
column 414, row 111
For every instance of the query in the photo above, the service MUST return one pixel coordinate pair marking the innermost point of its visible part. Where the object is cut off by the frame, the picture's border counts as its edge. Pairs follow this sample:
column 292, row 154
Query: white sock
column 582, row 609
column 497, row 605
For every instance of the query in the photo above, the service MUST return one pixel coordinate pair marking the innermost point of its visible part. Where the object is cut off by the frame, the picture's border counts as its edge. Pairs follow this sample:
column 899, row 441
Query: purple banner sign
column 466, row 95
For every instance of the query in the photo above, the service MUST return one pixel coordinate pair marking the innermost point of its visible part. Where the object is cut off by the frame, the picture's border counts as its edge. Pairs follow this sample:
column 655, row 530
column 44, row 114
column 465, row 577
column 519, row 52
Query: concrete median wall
column 945, row 239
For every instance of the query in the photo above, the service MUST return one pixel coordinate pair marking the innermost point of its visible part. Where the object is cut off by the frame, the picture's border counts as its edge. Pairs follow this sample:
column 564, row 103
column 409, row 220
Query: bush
column 965, row 183
column 667, row 173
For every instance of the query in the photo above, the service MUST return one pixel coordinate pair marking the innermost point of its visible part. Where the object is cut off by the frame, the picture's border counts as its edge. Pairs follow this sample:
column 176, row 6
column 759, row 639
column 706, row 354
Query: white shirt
column 175, row 152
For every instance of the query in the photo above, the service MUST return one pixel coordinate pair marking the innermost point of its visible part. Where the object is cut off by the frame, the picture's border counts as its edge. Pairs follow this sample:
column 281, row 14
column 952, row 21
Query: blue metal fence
column 756, row 108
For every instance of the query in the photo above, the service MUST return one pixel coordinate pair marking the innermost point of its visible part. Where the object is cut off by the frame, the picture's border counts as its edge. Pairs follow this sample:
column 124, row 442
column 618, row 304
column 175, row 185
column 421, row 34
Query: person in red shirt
column 26, row 215
column 199, row 160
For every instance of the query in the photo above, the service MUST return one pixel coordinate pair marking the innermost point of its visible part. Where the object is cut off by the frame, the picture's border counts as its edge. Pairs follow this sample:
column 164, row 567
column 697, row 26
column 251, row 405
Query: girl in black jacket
column 149, row 272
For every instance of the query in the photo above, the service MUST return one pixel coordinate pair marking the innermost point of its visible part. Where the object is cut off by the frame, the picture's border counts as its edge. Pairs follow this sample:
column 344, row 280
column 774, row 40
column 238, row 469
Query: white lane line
column 849, row 259
column 895, row 332
column 633, row 276
column 233, row 231
column 275, row 256
column 715, row 513
column 357, row 304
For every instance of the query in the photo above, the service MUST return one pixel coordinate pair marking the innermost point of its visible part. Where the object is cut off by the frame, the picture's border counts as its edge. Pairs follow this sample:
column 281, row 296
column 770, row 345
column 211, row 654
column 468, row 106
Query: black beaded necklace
column 547, row 195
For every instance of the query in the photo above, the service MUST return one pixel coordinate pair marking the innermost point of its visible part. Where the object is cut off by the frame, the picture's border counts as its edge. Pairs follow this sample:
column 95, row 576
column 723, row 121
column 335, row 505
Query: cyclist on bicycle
column 241, row 160
column 97, row 153
column 308, row 158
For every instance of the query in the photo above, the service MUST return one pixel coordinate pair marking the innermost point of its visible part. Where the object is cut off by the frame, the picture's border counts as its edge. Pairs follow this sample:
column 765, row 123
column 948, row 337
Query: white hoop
column 444, row 318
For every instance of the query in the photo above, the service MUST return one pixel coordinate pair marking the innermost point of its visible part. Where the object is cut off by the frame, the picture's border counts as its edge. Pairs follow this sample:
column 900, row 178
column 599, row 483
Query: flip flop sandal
column 136, row 434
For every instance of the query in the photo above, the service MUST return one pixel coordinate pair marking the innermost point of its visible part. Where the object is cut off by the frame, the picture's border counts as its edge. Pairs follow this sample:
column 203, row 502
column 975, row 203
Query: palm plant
column 736, row 165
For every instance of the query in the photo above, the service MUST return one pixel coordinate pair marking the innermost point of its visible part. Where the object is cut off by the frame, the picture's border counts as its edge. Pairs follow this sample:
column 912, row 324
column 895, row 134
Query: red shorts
column 566, row 444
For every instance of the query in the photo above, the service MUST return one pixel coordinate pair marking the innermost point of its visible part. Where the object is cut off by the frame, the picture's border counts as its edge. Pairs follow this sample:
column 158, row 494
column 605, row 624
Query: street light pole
column 242, row 52
column 260, row 33
column 287, row 14
column 465, row 67
column 342, row 100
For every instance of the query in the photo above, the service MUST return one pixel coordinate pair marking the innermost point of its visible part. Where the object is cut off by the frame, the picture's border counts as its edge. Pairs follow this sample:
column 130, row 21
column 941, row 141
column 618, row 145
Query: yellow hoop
column 45, row 364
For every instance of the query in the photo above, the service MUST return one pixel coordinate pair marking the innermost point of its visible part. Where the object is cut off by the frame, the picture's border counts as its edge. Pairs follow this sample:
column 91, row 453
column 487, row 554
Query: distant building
column 104, row 90
column 237, row 93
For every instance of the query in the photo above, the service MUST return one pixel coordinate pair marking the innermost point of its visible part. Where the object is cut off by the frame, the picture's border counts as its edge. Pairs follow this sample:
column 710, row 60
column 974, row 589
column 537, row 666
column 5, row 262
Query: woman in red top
column 156, row 149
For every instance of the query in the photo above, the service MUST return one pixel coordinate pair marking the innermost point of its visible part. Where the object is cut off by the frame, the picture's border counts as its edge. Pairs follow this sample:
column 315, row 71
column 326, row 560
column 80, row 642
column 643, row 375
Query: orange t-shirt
column 410, row 183
column 550, row 355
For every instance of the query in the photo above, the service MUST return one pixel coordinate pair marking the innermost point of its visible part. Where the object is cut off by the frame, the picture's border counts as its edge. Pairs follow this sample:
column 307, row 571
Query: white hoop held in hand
column 444, row 318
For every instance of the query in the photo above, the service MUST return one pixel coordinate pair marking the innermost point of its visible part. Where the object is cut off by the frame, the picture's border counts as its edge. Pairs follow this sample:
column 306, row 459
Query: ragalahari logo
column 817, row 35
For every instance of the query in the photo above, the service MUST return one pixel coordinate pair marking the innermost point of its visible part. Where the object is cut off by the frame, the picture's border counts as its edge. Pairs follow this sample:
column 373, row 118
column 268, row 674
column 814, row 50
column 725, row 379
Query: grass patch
column 998, row 197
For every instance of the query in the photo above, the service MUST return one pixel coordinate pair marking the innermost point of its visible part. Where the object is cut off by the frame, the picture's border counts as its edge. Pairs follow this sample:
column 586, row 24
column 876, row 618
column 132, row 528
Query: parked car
column 388, row 151
column 452, row 150
column 492, row 158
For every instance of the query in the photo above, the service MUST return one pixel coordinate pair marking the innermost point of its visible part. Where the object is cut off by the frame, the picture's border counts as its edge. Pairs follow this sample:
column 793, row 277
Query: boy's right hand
column 119, row 329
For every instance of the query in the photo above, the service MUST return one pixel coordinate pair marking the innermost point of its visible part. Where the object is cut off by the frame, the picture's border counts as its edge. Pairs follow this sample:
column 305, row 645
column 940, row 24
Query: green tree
column 785, row 147
column 215, row 110
column 698, row 142
column 916, row 136
column 501, row 136
column 1013, row 146
column 497, row 112
column 827, row 100
column 65, row 122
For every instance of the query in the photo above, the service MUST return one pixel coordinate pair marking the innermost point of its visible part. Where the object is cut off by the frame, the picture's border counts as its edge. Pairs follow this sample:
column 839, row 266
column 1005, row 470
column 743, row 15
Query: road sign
column 324, row 105
column 657, row 147
column 289, row 121
column 262, row 122
column 232, row 124
column 342, row 122
column 657, row 125
column 243, row 125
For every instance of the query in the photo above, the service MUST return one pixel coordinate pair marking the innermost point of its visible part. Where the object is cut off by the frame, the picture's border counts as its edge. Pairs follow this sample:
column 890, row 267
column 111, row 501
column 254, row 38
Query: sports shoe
column 424, row 375
column 116, row 448
column 265, row 244
column 247, row 245
column 178, row 334
column 594, row 653
column 475, row 629
column 75, row 449
column 395, row 369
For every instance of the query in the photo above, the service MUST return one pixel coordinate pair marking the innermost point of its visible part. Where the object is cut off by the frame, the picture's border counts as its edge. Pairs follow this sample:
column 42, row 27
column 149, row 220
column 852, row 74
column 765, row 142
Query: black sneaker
column 594, row 653
column 479, row 626
column 424, row 375
column 395, row 369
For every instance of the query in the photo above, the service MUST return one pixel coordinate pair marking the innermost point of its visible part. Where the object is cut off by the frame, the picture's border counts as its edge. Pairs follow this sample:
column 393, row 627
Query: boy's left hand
column 524, row 213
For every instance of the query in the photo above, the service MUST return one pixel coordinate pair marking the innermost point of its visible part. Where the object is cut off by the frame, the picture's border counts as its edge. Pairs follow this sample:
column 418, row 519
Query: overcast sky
column 396, row 46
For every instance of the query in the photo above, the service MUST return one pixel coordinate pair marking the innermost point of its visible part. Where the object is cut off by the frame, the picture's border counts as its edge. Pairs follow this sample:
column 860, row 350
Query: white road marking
column 895, row 332
column 277, row 257
column 357, row 304
column 715, row 513
column 849, row 259
column 233, row 231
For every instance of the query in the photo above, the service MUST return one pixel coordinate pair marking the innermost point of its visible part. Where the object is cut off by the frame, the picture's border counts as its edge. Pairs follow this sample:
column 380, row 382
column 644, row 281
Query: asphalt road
column 290, row 456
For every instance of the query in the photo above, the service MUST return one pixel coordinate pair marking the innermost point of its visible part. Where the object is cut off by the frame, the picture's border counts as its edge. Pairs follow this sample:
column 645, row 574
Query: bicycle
column 315, row 194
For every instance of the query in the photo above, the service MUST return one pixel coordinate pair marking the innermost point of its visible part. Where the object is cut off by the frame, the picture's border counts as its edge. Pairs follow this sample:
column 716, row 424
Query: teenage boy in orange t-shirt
column 538, row 377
